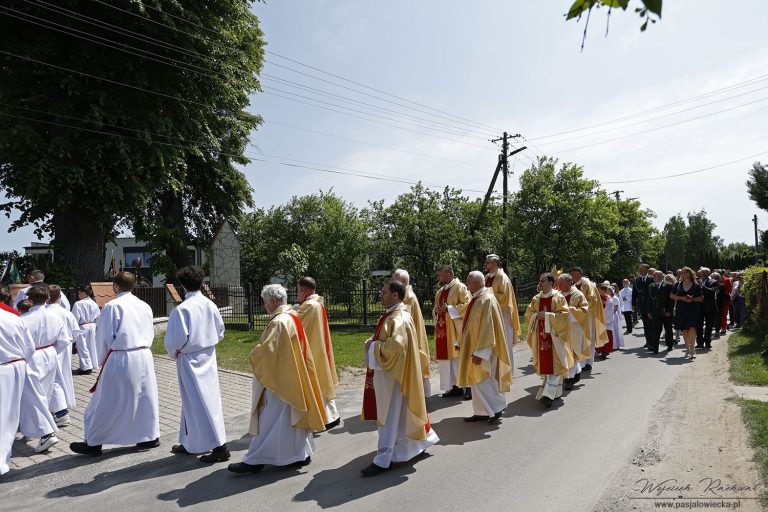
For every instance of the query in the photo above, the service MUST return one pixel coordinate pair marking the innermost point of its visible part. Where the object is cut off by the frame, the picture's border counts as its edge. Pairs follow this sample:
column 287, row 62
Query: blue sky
column 515, row 65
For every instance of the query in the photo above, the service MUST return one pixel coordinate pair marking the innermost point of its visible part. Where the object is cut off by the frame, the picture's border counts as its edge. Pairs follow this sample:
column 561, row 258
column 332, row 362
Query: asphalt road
column 536, row 459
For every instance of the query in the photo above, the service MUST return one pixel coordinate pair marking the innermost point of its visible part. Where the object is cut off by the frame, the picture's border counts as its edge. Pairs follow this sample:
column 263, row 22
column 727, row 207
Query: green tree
column 757, row 185
column 81, row 156
column 559, row 218
column 323, row 227
column 702, row 243
column 676, row 243
column 650, row 11
column 634, row 239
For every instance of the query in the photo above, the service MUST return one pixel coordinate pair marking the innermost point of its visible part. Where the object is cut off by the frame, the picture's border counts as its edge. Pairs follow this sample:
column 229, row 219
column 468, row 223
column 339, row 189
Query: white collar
column 394, row 307
column 449, row 285
column 492, row 274
column 547, row 295
column 191, row 294
column 478, row 292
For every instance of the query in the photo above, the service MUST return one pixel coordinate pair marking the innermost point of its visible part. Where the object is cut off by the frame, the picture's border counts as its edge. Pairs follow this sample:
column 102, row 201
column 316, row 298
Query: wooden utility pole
column 754, row 219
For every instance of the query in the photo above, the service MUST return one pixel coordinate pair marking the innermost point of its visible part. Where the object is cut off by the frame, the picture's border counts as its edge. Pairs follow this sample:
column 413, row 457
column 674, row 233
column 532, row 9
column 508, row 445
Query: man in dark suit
column 660, row 309
column 640, row 298
column 708, row 310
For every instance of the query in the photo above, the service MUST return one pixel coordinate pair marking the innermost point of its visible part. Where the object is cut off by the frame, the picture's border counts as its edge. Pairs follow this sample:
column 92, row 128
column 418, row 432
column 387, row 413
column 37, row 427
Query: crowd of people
column 572, row 322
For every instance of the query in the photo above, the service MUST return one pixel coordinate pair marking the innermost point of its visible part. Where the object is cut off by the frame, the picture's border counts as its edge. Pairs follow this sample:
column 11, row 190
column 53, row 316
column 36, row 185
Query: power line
column 738, row 85
column 677, row 175
column 310, row 67
column 312, row 166
column 654, row 118
column 661, row 127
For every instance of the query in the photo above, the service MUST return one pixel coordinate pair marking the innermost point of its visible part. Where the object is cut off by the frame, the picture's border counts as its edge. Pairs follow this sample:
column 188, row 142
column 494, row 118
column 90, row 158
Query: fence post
column 249, row 298
column 365, row 302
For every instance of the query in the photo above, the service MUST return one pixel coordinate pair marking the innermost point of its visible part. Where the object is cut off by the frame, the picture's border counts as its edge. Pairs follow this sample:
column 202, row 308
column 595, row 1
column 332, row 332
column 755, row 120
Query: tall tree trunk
column 79, row 243
column 172, row 208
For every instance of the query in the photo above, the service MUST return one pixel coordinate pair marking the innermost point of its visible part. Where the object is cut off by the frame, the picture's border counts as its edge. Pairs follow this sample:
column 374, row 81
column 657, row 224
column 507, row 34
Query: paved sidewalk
column 235, row 395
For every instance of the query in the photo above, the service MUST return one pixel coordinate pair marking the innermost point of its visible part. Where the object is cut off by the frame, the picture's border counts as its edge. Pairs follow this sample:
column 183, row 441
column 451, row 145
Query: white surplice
column 63, row 390
column 87, row 312
column 394, row 445
column 618, row 334
column 124, row 408
column 16, row 348
column 22, row 294
column 277, row 441
column 50, row 337
column 195, row 328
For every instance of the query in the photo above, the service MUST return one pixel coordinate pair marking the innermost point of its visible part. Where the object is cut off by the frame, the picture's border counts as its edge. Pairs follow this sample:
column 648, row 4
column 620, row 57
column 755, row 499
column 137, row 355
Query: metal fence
column 241, row 307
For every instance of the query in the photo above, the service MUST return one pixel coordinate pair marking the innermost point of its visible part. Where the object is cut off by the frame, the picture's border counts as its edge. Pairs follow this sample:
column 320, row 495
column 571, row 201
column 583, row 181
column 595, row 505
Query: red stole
column 441, row 331
column 489, row 281
column 302, row 336
column 369, row 393
column 466, row 315
column 546, row 354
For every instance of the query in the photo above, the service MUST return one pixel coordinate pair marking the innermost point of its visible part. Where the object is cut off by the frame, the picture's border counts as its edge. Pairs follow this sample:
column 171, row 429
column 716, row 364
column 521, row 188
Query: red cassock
column 608, row 347
column 441, row 333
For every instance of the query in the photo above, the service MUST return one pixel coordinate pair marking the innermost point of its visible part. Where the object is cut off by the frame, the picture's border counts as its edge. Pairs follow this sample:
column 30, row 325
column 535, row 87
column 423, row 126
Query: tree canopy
column 127, row 118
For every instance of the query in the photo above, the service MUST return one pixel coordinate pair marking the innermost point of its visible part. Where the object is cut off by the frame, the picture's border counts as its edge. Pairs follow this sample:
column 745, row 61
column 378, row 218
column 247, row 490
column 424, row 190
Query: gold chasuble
column 579, row 307
column 483, row 329
column 282, row 362
column 505, row 295
column 414, row 308
column 596, row 311
column 549, row 338
column 447, row 333
column 314, row 318
column 397, row 352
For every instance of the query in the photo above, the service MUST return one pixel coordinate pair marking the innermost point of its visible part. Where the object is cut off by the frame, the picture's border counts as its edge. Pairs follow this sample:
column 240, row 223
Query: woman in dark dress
column 689, row 297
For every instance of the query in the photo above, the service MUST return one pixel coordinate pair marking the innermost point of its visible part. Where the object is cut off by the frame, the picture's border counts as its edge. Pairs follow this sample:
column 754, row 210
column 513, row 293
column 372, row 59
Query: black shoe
column 334, row 423
column 467, row 393
column 242, row 467
column 602, row 355
column 546, row 401
column 577, row 378
column 587, row 368
column 568, row 384
column 454, row 391
column 669, row 348
column 85, row 449
column 495, row 418
column 373, row 470
column 146, row 445
column 219, row 454
column 178, row 449
column 476, row 417
column 301, row 463
column 80, row 371
column 708, row 346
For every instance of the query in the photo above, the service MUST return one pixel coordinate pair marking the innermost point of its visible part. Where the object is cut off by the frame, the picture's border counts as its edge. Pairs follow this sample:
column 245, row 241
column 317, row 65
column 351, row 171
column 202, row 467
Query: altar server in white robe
column 37, row 278
column 414, row 308
column 618, row 334
column 62, row 397
column 16, row 348
column 87, row 312
column 194, row 329
column 394, row 392
column 50, row 336
column 314, row 320
column 123, row 409
column 484, row 364
column 287, row 404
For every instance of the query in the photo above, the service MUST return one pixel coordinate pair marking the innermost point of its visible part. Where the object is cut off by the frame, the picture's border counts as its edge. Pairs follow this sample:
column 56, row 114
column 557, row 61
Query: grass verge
column 748, row 366
column 755, row 416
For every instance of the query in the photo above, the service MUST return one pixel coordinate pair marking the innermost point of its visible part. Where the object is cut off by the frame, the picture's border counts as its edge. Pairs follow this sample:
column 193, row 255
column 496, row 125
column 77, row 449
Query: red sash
column 466, row 315
column 43, row 348
column 369, row 393
column 489, row 281
column 546, row 354
column 12, row 361
column 98, row 377
column 327, row 334
column 441, row 331
column 302, row 336
column 87, row 323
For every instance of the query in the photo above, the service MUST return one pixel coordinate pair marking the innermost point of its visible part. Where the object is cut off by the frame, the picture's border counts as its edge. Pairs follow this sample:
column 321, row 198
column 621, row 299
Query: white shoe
column 62, row 421
column 45, row 443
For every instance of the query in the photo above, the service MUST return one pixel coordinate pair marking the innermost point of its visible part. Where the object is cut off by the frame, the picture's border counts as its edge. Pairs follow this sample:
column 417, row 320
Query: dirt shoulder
column 696, row 447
